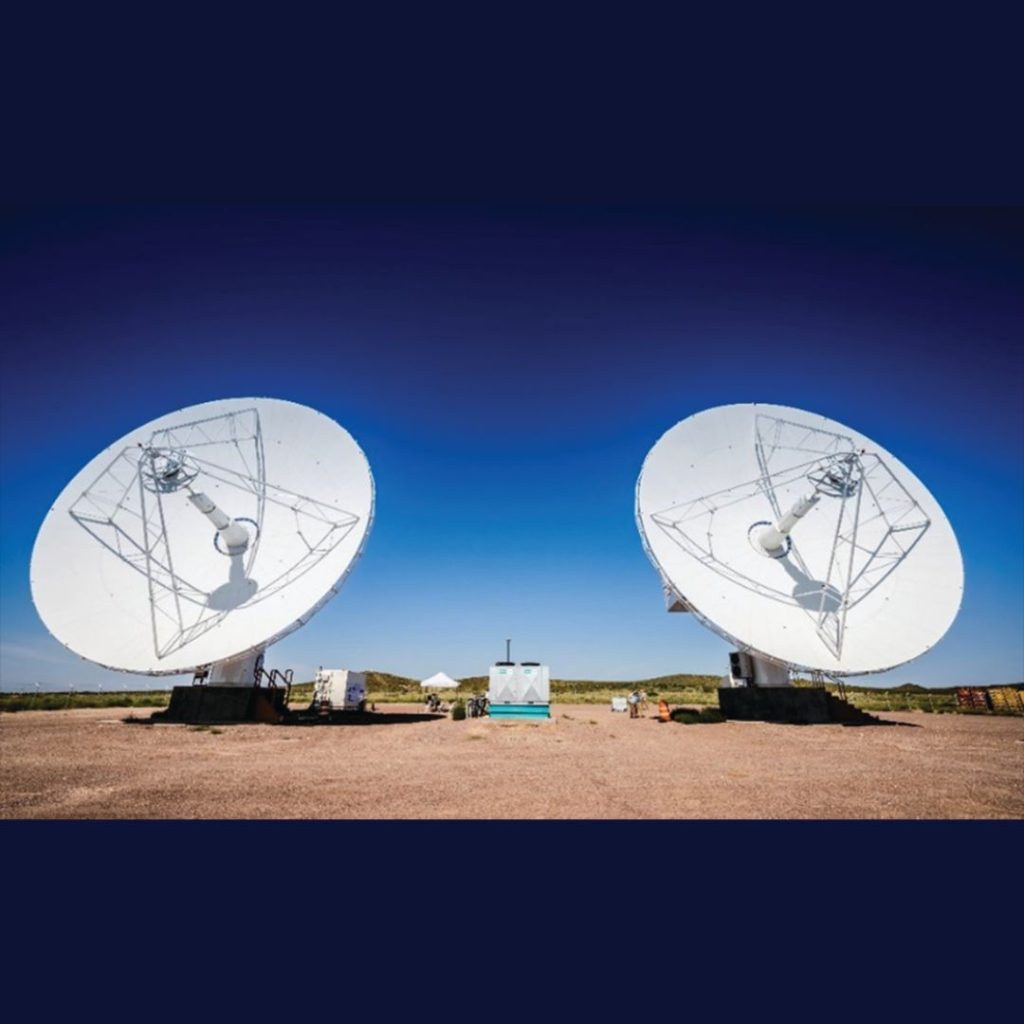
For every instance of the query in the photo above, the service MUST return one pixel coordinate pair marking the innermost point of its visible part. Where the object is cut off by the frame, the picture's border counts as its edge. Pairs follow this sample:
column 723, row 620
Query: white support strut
column 773, row 539
column 236, row 536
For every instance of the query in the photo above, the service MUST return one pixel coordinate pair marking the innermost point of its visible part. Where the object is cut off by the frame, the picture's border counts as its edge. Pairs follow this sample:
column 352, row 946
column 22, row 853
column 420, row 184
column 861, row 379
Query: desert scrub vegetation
column 85, row 699
column 385, row 688
column 676, row 689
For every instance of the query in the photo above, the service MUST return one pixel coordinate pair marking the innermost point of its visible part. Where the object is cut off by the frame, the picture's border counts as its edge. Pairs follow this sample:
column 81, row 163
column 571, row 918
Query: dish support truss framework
column 128, row 519
column 877, row 525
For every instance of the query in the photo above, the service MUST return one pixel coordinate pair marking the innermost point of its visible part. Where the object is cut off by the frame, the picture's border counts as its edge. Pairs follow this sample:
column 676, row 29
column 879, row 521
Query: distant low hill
column 385, row 682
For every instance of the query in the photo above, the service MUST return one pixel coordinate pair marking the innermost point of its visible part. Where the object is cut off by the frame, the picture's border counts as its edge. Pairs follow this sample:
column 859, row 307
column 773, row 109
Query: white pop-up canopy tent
column 439, row 681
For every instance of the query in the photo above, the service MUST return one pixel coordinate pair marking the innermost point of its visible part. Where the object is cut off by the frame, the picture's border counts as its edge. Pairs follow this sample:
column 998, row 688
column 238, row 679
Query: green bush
column 458, row 710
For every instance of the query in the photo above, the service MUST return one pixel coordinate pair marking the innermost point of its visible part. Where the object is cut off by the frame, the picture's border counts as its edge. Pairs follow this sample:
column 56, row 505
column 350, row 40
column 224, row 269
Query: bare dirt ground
column 588, row 762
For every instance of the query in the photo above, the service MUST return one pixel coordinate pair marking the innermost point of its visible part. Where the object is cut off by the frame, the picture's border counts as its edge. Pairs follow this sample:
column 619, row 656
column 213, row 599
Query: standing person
column 634, row 701
column 643, row 700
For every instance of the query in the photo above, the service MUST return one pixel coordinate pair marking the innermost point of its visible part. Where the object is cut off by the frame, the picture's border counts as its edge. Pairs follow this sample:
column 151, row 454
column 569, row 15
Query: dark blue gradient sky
column 506, row 370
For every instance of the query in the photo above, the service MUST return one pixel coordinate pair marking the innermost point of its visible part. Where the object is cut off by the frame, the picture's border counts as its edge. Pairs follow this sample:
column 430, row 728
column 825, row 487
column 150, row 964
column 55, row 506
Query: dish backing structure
column 800, row 541
column 197, row 540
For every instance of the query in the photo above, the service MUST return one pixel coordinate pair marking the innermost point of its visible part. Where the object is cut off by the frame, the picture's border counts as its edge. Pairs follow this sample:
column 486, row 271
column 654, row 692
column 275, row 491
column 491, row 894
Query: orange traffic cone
column 663, row 714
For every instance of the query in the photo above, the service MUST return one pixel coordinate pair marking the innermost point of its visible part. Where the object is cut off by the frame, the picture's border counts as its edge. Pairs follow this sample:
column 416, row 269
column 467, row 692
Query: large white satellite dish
column 202, row 537
column 798, row 539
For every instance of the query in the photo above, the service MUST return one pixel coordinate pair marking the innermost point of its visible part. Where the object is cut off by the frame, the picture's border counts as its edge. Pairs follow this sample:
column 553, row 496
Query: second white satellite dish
column 203, row 536
column 799, row 539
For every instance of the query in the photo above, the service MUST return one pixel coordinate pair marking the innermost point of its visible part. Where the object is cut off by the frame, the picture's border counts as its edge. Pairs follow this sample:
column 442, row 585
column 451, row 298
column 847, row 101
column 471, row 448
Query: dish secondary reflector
column 203, row 536
column 798, row 539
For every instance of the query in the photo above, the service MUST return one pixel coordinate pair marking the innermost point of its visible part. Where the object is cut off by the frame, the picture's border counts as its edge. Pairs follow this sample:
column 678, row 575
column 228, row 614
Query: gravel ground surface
column 588, row 762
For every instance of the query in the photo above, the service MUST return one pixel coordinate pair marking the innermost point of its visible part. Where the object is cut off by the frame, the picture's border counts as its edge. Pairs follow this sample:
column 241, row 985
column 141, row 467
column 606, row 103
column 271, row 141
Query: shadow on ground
column 306, row 718
column 879, row 721
column 362, row 718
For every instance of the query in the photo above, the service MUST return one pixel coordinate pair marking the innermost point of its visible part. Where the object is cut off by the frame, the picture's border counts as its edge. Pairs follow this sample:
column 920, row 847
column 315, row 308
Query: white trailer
column 339, row 689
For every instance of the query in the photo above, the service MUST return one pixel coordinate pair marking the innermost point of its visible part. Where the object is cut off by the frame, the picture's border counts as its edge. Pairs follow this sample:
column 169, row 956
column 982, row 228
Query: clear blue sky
column 506, row 371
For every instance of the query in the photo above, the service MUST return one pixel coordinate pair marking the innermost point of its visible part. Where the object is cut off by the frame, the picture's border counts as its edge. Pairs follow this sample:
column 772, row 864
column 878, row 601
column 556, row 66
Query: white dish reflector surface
column 872, row 579
column 139, row 580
